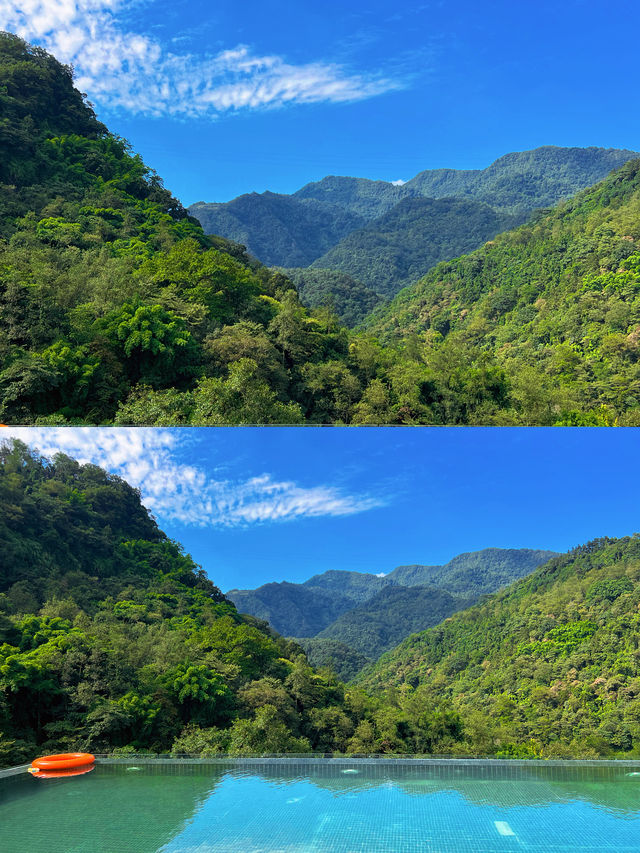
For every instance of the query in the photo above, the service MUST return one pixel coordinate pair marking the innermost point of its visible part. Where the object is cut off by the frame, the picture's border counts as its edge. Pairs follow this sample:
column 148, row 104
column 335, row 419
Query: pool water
column 325, row 807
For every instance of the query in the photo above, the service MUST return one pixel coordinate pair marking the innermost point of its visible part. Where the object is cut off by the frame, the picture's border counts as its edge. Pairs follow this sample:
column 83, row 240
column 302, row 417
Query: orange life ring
column 64, row 761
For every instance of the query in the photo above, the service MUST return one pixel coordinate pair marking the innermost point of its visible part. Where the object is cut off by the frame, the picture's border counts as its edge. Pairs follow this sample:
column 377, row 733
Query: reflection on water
column 325, row 808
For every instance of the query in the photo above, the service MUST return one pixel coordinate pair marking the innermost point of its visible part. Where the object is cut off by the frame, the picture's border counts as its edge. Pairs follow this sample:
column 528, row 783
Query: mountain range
column 384, row 236
column 348, row 618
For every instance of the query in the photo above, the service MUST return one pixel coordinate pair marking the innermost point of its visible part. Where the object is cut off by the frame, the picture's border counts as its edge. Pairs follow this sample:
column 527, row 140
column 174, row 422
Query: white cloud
column 186, row 493
column 381, row 575
column 127, row 71
column 398, row 183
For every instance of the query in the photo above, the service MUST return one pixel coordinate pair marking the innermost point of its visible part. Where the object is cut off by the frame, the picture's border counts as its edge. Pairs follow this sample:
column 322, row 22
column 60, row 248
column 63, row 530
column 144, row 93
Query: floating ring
column 64, row 761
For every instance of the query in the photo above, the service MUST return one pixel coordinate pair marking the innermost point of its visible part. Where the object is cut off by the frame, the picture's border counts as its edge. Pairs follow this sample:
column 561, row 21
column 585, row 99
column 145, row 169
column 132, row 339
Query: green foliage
column 350, row 299
column 400, row 246
column 551, row 663
column 111, row 638
column 391, row 615
column 555, row 305
column 115, row 306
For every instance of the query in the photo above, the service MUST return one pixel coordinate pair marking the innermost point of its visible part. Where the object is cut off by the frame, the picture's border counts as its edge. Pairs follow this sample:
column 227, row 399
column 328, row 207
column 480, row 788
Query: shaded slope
column 416, row 234
column 290, row 608
column 346, row 296
column 280, row 230
column 389, row 616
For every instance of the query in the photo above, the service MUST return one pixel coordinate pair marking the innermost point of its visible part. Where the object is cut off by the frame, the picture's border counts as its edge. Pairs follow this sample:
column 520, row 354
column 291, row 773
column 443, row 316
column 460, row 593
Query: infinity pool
column 267, row 806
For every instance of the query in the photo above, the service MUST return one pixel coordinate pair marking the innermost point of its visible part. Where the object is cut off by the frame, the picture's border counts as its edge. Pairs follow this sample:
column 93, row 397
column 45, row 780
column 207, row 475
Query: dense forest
column 346, row 619
column 551, row 665
column 347, row 297
column 554, row 304
column 400, row 246
column 111, row 638
column 385, row 236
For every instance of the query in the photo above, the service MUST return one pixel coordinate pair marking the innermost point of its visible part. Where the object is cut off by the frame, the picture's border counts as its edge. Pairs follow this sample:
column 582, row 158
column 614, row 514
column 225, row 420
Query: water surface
column 325, row 807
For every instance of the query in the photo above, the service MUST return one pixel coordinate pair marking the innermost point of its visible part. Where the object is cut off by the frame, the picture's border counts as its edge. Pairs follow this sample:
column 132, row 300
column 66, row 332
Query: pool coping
column 375, row 760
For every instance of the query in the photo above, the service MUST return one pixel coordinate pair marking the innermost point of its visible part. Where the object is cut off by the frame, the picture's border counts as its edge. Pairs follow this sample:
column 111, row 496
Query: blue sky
column 272, row 504
column 223, row 98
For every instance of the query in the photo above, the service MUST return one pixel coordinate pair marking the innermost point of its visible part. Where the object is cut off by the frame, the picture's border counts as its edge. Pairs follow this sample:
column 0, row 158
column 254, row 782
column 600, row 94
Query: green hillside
column 400, row 246
column 548, row 666
column 290, row 608
column 362, row 196
column 344, row 619
column 340, row 658
column 346, row 296
column 554, row 305
column 112, row 638
column 114, row 305
column 392, row 614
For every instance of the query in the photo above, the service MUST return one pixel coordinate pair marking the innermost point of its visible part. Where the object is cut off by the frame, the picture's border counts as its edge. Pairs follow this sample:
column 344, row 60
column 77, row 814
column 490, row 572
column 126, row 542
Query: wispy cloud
column 128, row 71
column 187, row 493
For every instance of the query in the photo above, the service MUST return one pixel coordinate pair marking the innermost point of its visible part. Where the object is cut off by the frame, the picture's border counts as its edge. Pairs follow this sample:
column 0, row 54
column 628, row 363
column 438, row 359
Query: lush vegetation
column 369, row 199
column 340, row 658
column 290, row 608
column 345, row 619
column 347, row 297
column 475, row 572
column 412, row 237
column 554, row 306
column 111, row 638
column 391, row 615
column 114, row 306
column 549, row 666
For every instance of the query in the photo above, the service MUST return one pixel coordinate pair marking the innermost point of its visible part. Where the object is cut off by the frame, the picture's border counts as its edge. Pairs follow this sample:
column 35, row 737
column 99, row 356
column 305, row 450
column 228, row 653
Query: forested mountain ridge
column 551, row 663
column 556, row 303
column 364, row 614
column 523, row 181
column 475, row 572
column 389, row 235
column 113, row 639
column 274, row 226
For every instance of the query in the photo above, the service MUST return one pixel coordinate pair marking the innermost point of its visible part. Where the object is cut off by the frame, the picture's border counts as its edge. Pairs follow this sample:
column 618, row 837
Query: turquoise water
column 237, row 807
